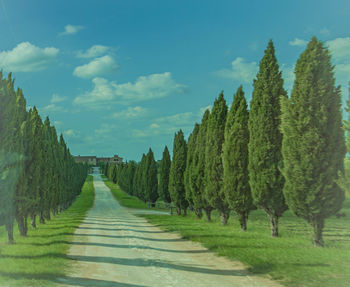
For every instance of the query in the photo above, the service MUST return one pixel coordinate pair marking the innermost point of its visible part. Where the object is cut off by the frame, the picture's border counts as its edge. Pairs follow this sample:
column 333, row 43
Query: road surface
column 112, row 247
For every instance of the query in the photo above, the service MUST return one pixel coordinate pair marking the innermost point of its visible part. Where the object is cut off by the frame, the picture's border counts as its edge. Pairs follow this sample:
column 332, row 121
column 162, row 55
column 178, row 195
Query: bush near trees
column 313, row 140
column 265, row 156
column 38, row 175
column 283, row 152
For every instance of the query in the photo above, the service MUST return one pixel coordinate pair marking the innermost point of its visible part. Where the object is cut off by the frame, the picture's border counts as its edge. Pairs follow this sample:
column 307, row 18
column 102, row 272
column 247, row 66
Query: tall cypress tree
column 265, row 157
column 214, row 191
column 313, row 142
column 163, row 188
column 198, row 172
column 176, row 177
column 235, row 159
column 189, row 172
column 151, row 180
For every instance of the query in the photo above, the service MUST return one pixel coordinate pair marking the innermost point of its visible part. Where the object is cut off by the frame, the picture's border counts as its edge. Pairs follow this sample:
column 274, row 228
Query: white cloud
column 144, row 88
column 168, row 125
column 298, row 42
column 97, row 67
column 240, row 70
column 131, row 112
column 57, row 99
column 53, row 108
column 325, row 32
column 94, row 51
column 26, row 57
column 202, row 110
column 71, row 29
column 70, row 133
column 57, row 123
column 288, row 76
column 340, row 48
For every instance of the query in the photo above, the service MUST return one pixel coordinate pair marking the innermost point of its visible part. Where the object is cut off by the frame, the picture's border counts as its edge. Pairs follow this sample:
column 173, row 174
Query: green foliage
column 38, row 171
column 151, row 179
column 163, row 187
column 235, row 158
column 177, row 169
column 313, row 143
column 265, row 157
column 198, row 172
column 214, row 191
column 191, row 163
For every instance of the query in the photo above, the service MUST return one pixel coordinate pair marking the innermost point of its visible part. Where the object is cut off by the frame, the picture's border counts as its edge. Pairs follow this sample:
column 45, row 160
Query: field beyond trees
column 40, row 258
column 290, row 258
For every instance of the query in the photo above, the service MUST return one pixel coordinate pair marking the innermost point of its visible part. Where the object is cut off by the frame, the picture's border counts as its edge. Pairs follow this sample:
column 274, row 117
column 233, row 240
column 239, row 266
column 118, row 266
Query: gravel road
column 113, row 247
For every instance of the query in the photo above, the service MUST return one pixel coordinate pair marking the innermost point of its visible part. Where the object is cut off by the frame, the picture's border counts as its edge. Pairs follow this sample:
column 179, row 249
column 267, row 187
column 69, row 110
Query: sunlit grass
column 40, row 258
column 123, row 198
column 292, row 259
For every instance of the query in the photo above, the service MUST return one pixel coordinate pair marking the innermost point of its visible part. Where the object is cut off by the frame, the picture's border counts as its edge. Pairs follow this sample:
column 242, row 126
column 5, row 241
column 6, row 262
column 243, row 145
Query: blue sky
column 118, row 77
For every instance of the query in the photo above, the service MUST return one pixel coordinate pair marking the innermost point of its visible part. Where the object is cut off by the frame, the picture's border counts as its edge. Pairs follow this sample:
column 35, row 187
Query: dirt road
column 113, row 247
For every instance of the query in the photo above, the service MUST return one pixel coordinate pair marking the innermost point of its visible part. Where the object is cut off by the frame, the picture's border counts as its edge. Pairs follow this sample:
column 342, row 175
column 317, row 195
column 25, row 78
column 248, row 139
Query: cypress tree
column 189, row 172
column 214, row 191
column 151, row 180
column 235, row 159
column 163, row 188
column 313, row 143
column 176, row 177
column 198, row 172
column 265, row 157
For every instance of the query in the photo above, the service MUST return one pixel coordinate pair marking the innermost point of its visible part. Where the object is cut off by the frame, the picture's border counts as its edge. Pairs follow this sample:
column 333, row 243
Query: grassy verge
column 123, row 198
column 290, row 259
column 40, row 258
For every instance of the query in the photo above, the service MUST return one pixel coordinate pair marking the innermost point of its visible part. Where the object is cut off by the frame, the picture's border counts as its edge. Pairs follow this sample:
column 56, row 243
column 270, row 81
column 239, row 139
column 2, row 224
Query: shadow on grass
column 67, row 280
column 108, row 236
column 117, row 246
column 120, row 229
column 139, row 262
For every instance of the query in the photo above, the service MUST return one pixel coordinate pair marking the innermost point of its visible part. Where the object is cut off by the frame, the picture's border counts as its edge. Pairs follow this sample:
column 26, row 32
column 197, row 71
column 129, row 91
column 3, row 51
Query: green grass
column 123, row 198
column 40, row 258
column 290, row 259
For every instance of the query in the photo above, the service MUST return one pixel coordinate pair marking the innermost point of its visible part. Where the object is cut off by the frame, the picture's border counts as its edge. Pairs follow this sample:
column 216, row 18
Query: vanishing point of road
column 113, row 247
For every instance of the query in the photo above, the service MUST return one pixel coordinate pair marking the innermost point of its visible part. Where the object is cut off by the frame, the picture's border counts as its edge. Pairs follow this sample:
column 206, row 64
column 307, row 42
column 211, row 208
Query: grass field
column 291, row 259
column 40, row 258
column 123, row 198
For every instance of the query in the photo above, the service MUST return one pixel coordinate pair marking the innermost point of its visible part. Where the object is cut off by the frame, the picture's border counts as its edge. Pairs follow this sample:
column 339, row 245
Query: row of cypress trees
column 38, row 175
column 284, row 152
column 140, row 179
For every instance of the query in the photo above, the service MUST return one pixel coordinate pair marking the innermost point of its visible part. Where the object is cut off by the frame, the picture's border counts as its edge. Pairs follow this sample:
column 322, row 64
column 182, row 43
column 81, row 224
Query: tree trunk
column 208, row 213
column 9, row 228
column 198, row 212
column 317, row 226
column 274, row 225
column 224, row 217
column 185, row 211
column 41, row 217
column 22, row 225
column 243, row 220
column 33, row 220
column 47, row 214
column 178, row 210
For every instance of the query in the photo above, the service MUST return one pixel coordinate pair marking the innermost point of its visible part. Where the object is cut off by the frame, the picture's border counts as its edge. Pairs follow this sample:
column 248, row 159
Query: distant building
column 93, row 160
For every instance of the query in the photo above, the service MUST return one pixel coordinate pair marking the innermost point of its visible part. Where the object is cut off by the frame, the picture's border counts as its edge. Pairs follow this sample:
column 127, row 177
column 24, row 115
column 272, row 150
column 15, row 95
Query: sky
column 121, row 76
